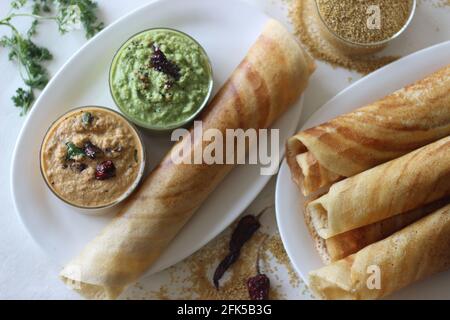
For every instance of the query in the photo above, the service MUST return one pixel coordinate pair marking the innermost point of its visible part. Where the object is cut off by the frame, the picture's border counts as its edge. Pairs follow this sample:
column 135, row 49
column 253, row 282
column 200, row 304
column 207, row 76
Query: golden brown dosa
column 347, row 243
column 384, row 130
column 395, row 187
column 270, row 78
column 413, row 253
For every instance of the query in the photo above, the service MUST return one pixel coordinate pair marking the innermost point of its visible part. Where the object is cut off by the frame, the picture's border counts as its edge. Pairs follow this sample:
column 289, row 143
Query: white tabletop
column 27, row 273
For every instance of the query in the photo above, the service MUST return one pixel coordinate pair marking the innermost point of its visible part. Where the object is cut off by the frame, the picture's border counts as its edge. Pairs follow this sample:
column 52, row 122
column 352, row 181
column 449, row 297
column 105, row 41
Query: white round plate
column 226, row 29
column 289, row 201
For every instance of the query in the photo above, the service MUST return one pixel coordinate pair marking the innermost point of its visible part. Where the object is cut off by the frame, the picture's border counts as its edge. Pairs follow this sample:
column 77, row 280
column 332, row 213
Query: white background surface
column 25, row 272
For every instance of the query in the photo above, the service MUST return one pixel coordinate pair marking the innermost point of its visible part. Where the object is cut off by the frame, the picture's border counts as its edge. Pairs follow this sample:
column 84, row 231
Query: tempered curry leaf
column 73, row 151
column 86, row 118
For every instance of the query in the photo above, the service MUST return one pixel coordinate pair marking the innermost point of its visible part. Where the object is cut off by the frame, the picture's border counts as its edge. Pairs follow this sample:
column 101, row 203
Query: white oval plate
column 288, row 199
column 226, row 29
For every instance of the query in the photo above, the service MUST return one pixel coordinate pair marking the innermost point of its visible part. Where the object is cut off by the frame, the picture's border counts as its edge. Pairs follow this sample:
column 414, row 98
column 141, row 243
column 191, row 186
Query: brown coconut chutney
column 92, row 157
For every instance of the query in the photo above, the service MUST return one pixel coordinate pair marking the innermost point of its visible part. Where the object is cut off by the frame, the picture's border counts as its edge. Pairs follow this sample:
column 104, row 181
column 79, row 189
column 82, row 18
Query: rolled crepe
column 384, row 130
column 413, row 253
column 347, row 243
column 400, row 185
column 272, row 76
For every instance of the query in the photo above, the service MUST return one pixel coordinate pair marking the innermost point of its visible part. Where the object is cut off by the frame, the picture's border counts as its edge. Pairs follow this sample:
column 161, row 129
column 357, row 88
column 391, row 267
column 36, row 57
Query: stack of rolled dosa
column 384, row 130
column 270, row 79
column 378, row 187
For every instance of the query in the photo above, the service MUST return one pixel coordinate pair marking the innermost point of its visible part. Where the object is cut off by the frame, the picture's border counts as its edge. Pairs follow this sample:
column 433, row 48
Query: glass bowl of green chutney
column 161, row 79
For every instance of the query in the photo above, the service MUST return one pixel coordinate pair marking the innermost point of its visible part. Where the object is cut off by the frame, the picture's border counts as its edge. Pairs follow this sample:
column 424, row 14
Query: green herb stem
column 30, row 15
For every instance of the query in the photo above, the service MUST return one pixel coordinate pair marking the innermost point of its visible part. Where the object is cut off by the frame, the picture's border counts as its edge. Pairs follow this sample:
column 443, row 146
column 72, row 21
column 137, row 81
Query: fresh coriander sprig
column 68, row 15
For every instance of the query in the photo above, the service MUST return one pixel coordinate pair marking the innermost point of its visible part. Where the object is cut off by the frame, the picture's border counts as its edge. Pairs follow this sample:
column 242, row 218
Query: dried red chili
column 223, row 266
column 160, row 63
column 91, row 150
column 259, row 285
column 105, row 170
column 245, row 229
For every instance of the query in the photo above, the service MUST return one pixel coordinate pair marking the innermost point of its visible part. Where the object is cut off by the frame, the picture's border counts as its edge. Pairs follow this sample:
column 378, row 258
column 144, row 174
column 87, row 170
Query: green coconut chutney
column 160, row 78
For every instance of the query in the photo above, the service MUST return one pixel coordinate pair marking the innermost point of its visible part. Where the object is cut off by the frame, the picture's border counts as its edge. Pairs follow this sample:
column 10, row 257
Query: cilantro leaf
column 31, row 58
column 23, row 99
